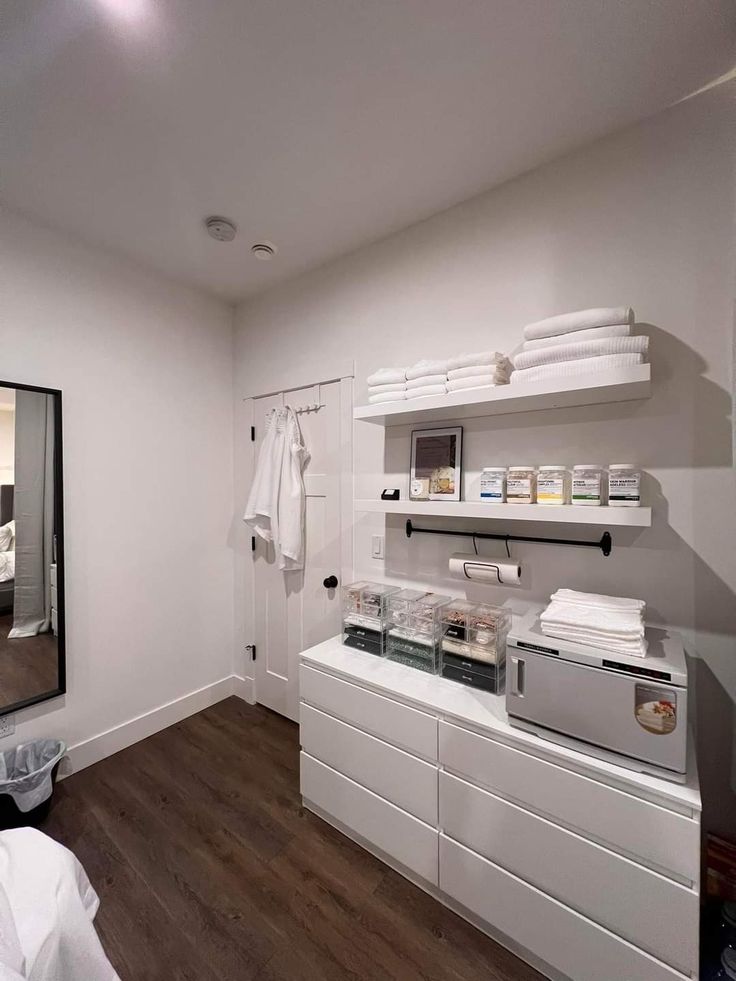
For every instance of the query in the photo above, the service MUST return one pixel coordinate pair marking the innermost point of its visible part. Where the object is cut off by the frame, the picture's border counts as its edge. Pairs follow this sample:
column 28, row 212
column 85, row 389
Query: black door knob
column 330, row 582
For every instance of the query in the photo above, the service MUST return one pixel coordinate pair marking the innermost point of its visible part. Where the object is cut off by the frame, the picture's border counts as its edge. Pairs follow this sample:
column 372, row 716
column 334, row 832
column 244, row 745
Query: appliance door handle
column 517, row 676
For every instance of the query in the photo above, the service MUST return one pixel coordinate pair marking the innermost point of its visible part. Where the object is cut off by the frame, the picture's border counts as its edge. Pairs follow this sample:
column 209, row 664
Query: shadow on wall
column 716, row 748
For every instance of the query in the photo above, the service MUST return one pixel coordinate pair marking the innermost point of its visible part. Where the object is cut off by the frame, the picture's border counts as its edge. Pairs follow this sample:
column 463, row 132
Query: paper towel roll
column 480, row 568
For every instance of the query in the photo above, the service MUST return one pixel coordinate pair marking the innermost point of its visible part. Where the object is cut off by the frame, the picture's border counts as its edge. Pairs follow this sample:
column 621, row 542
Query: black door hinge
column 252, row 649
column 253, row 543
column 252, row 434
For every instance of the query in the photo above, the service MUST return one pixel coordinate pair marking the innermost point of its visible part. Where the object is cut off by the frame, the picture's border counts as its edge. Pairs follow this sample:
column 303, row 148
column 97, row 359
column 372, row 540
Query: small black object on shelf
column 605, row 543
column 390, row 494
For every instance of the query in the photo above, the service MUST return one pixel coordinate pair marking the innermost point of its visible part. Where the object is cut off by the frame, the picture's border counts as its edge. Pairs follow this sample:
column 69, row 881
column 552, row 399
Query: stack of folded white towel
column 387, row 385
column 609, row 623
column 579, row 343
column 484, row 369
column 426, row 378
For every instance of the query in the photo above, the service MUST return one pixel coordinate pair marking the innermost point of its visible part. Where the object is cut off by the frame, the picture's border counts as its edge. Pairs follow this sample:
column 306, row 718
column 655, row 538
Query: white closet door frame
column 244, row 613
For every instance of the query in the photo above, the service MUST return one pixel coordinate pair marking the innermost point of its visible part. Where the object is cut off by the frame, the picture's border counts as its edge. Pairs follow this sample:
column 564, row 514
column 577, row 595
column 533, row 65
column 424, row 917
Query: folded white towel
column 383, row 389
column 599, row 601
column 588, row 334
column 500, row 370
column 565, row 323
column 416, row 393
column 620, row 623
column 473, row 360
column 387, row 376
column 587, row 366
column 426, row 368
column 423, row 380
column 387, row 397
column 475, row 381
column 634, row 648
column 584, row 349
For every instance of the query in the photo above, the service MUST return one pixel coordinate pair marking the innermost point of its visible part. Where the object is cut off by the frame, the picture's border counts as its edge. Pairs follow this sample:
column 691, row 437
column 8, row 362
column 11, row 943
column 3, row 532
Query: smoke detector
column 263, row 251
column 220, row 229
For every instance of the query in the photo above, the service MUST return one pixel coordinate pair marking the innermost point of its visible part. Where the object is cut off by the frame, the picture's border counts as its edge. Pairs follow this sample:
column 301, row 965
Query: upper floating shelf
column 569, row 514
column 614, row 385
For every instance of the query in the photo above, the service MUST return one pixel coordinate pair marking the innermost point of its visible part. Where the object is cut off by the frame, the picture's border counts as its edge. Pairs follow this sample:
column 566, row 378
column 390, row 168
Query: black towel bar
column 605, row 544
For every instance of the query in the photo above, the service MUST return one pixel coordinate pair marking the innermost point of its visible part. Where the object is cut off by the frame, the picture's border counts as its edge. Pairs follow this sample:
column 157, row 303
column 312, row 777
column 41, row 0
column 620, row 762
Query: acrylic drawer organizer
column 474, row 644
column 415, row 628
column 365, row 616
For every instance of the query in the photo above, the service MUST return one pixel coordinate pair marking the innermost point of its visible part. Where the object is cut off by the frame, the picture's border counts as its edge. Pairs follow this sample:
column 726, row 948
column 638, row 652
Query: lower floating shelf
column 569, row 514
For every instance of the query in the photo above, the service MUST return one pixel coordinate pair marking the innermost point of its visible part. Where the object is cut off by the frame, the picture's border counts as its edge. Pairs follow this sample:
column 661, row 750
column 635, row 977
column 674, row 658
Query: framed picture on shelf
column 436, row 464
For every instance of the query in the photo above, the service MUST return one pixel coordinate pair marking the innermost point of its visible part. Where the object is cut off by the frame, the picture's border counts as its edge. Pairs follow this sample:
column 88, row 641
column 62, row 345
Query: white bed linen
column 47, row 913
column 7, row 566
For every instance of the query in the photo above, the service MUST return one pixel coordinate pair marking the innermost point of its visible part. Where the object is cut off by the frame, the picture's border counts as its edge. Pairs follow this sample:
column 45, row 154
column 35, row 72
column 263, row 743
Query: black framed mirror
column 32, row 620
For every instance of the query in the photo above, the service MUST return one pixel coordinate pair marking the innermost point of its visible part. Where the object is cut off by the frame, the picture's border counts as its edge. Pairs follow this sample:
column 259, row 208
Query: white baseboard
column 120, row 737
column 245, row 688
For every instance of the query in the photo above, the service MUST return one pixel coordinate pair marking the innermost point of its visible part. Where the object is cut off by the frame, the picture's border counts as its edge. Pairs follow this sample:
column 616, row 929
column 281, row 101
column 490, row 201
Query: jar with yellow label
column 553, row 485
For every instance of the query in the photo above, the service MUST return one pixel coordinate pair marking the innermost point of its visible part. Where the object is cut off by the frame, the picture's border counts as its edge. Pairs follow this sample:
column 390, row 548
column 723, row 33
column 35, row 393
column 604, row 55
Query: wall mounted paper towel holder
column 605, row 544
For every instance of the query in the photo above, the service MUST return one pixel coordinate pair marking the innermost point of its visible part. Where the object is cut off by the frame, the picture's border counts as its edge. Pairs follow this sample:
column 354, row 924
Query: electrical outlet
column 7, row 725
column 377, row 546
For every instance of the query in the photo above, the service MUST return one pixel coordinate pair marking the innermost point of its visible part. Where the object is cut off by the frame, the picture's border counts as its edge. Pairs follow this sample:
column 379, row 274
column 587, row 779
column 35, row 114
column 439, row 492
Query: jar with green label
column 587, row 484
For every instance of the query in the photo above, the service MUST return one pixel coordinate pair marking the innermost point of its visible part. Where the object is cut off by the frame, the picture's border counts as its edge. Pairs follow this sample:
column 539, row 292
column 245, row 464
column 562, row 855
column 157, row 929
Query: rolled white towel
column 424, row 380
column 387, row 397
column 584, row 349
column 501, row 371
column 588, row 334
column 566, row 323
column 426, row 368
column 383, row 389
column 565, row 369
column 415, row 393
column 475, row 381
column 387, row 376
column 475, row 359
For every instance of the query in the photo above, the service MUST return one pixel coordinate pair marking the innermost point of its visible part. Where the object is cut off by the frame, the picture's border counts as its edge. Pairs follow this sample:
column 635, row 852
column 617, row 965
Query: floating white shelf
column 614, row 385
column 569, row 514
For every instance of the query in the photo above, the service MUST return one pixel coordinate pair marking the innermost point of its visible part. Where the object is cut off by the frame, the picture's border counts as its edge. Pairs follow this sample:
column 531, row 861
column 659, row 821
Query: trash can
column 27, row 775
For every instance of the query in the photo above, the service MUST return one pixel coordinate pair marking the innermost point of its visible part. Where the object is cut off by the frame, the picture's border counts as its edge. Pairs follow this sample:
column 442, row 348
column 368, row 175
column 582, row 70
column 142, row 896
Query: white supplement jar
column 624, row 486
column 521, row 485
column 552, row 485
column 493, row 485
column 586, row 484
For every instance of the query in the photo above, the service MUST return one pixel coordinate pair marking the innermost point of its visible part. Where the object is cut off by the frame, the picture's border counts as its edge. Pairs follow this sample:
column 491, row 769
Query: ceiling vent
column 264, row 250
column 220, row 229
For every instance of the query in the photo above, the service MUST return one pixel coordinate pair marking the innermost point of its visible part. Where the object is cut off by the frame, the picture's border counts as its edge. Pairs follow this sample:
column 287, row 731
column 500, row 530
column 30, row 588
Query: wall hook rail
column 605, row 544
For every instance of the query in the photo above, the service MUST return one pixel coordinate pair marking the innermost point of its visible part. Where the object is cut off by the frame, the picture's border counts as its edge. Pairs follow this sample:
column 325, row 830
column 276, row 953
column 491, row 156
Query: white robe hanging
column 276, row 505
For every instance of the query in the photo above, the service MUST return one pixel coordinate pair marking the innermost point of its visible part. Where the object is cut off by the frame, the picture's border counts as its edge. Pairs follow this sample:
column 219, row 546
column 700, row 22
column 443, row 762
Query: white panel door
column 294, row 610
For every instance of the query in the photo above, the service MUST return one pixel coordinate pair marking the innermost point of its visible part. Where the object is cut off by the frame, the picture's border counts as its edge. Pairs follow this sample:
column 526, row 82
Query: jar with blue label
column 493, row 485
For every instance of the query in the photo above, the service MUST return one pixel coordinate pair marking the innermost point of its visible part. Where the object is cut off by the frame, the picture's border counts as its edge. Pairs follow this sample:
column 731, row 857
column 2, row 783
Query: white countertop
column 486, row 712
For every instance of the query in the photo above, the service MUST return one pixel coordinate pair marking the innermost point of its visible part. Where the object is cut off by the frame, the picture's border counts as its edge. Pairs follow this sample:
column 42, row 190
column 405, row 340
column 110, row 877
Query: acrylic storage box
column 415, row 628
column 473, row 645
column 365, row 616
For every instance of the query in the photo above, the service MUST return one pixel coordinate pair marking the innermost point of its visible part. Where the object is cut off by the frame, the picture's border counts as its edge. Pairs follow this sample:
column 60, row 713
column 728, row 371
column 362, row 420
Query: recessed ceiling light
column 221, row 229
column 264, row 250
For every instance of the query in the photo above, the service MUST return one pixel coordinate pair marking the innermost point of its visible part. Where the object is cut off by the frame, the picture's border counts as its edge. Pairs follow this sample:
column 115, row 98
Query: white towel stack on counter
column 609, row 623
column 387, row 385
column 579, row 343
column 483, row 369
column 426, row 378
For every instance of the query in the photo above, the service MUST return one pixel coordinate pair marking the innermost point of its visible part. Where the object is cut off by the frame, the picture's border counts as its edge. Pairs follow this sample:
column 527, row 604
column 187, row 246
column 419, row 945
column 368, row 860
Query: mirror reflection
column 31, row 560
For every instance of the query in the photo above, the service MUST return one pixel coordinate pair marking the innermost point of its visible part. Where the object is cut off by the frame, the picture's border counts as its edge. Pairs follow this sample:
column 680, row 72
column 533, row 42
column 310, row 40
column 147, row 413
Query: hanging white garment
column 276, row 505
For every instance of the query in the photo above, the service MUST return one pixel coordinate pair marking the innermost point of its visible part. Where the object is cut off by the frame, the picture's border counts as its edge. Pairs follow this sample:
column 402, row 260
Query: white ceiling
column 320, row 125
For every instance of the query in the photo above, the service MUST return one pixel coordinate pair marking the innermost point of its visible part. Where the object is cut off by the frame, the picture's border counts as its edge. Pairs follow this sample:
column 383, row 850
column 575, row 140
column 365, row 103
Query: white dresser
column 587, row 870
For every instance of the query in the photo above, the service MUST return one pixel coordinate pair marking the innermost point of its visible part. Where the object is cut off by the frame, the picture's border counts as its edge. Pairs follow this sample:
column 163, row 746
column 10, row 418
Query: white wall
column 644, row 217
column 7, row 446
column 145, row 367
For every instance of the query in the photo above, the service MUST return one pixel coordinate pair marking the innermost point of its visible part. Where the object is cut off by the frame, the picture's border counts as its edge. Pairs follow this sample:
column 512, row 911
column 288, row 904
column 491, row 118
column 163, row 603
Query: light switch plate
column 377, row 546
column 7, row 725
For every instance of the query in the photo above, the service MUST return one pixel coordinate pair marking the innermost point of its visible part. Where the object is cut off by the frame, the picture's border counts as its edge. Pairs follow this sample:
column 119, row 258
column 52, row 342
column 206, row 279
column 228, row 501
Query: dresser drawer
column 396, row 723
column 646, row 831
column 406, row 781
column 566, row 940
column 644, row 907
column 406, row 839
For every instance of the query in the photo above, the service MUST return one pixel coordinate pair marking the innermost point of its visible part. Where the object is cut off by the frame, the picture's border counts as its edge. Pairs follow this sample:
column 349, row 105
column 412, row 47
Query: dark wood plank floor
column 28, row 665
column 209, row 869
